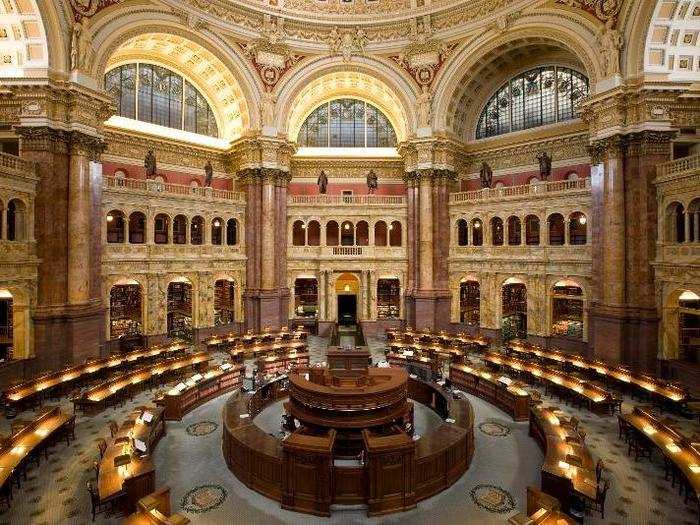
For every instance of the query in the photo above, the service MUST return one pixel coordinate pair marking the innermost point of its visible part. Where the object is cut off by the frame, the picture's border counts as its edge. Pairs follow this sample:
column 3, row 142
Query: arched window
column 347, row 234
column 180, row 229
column 577, row 228
column 556, row 229
column 497, row 231
column 155, row 94
column 362, row 233
column 347, row 123
column 514, row 233
column 462, row 233
column 541, row 96
column 17, row 220
column 380, row 234
column 231, row 232
column 137, row 228
column 197, row 231
column 532, row 230
column 675, row 223
column 161, row 225
column 477, row 232
column 332, row 233
column 313, row 234
column 217, row 228
column 298, row 233
column 395, row 234
column 115, row 226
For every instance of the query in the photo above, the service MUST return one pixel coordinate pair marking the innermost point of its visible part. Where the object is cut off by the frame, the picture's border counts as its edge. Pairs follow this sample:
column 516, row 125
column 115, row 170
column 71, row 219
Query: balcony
column 13, row 166
column 160, row 252
column 528, row 191
column 149, row 187
column 347, row 200
column 346, row 252
column 521, row 254
column 674, row 168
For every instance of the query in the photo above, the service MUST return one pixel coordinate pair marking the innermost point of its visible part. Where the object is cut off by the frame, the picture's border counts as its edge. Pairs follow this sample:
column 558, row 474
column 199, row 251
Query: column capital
column 43, row 138
column 603, row 149
column 89, row 145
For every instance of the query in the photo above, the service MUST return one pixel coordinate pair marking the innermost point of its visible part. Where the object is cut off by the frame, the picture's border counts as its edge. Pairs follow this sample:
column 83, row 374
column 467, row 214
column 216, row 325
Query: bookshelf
column 125, row 310
column 388, row 299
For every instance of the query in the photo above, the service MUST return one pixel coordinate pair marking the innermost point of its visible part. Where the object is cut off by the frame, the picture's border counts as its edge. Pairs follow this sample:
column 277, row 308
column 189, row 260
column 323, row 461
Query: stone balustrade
column 154, row 187
column 346, row 252
column 678, row 167
column 347, row 200
column 524, row 192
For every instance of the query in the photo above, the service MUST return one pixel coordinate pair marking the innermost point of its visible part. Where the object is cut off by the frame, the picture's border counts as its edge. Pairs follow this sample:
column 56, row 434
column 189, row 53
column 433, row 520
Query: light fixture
column 687, row 295
column 477, row 224
column 217, row 223
column 346, row 226
column 347, row 288
column 582, row 219
column 110, row 218
column 303, row 226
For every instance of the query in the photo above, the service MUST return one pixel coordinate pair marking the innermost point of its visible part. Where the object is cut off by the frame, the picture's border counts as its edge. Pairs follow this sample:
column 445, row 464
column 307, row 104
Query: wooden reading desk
column 96, row 398
column 498, row 389
column 597, row 399
column 26, row 391
column 126, row 471
column 17, row 449
column 154, row 509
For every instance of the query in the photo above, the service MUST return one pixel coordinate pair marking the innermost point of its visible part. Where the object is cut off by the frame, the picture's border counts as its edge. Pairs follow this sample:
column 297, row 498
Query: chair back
column 113, row 428
column 599, row 467
column 102, row 446
column 93, row 493
column 574, row 422
column 601, row 493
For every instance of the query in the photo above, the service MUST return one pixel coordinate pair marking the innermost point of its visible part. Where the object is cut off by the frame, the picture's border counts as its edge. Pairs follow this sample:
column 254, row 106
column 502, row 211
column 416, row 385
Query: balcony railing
column 515, row 192
column 346, row 200
column 678, row 166
column 332, row 252
column 155, row 187
column 16, row 165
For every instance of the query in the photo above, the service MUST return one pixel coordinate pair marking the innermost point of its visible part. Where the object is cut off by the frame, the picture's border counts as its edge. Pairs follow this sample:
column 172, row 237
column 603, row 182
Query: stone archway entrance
column 347, row 288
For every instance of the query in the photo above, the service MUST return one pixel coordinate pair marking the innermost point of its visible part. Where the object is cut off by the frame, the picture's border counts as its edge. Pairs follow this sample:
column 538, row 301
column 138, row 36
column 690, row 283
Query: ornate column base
column 68, row 333
column 623, row 334
column 429, row 309
column 266, row 308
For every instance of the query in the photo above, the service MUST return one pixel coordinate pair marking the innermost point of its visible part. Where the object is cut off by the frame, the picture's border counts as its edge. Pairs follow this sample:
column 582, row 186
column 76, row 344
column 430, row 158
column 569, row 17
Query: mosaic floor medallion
column 492, row 498
column 494, row 429
column 203, row 498
column 202, row 428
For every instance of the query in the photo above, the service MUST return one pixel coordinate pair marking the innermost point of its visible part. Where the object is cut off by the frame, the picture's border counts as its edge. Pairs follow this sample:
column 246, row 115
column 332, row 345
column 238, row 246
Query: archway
column 347, row 288
column 180, row 308
column 469, row 302
column 224, row 301
column 513, row 309
column 125, row 309
column 6, row 326
column 306, row 297
column 567, row 310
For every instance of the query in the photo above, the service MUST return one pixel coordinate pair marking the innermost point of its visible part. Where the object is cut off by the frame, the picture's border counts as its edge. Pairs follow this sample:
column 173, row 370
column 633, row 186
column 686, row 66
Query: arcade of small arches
column 560, row 231
column 682, row 222
column 14, row 219
column 198, row 230
column 347, row 233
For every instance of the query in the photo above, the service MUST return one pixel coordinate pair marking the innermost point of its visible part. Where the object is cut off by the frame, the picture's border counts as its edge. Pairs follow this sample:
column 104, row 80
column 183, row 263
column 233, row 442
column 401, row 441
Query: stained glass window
column 347, row 123
column 155, row 94
column 537, row 97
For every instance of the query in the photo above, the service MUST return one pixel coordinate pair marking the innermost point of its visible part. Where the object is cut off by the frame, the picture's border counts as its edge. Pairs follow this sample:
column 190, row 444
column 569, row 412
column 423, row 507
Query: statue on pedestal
column 372, row 182
column 150, row 164
column 208, row 174
column 486, row 175
column 545, row 165
column 322, row 183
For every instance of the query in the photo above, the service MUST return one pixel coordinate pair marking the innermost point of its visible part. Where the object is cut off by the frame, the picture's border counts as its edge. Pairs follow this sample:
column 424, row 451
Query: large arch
column 366, row 79
column 212, row 64
column 563, row 41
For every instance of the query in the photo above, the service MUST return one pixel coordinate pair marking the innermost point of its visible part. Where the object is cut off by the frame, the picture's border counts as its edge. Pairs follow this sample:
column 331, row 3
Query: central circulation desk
column 598, row 399
column 122, row 472
column 200, row 388
column 568, row 470
column 497, row 389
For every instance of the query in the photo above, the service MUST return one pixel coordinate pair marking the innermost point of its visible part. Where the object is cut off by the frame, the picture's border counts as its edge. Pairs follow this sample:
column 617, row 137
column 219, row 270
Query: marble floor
column 189, row 461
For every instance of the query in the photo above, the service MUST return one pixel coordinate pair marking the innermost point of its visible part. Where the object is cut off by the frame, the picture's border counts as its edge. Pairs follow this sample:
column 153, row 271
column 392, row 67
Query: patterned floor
column 188, row 460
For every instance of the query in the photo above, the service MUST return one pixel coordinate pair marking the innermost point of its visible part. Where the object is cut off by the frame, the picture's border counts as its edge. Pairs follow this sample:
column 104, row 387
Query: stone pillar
column 623, row 317
column 3, row 223
column 69, row 318
column 567, row 231
column 425, row 233
column 322, row 295
column 267, row 279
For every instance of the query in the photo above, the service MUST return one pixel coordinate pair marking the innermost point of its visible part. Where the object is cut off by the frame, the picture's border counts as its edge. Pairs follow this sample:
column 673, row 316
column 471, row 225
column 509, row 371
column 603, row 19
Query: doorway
column 347, row 310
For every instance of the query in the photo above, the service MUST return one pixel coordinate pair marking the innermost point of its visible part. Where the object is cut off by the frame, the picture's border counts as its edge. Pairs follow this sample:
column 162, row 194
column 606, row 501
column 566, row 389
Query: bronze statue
column 208, row 174
column 545, row 165
column 150, row 164
column 322, row 183
column 372, row 182
column 486, row 175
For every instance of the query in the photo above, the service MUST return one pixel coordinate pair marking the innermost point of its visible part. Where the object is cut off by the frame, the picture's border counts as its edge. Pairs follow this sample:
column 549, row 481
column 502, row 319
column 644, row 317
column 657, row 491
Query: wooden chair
column 69, row 430
column 624, row 429
column 639, row 446
column 97, row 507
column 599, row 468
column 96, row 468
column 598, row 505
column 102, row 447
column 113, row 428
column 615, row 404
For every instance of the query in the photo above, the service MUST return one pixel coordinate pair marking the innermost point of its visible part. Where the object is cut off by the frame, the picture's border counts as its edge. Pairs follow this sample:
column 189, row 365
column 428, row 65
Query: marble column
column 426, row 231
column 267, row 281
column 322, row 295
